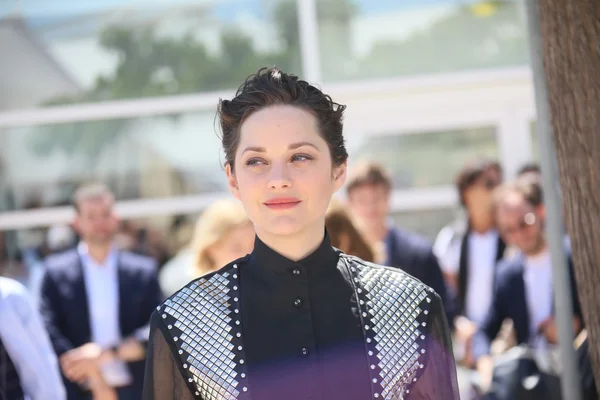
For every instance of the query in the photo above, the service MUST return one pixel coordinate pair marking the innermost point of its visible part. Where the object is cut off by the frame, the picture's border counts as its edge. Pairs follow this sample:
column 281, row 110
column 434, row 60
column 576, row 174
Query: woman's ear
column 232, row 181
column 339, row 175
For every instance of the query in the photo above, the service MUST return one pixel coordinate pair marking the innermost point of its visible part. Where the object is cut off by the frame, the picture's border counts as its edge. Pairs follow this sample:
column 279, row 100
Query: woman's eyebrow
column 292, row 146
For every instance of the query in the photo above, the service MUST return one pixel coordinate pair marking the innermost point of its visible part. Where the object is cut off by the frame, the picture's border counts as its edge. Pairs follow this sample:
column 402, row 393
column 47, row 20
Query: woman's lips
column 282, row 203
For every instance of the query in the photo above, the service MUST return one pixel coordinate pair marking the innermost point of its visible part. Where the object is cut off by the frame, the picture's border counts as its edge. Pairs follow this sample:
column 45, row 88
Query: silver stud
column 235, row 299
column 424, row 324
column 374, row 380
column 422, row 337
column 243, row 375
column 415, row 379
column 242, row 361
column 423, row 351
column 158, row 308
column 364, row 314
column 426, row 312
column 236, row 311
column 237, row 322
column 170, row 326
column 359, row 290
column 428, row 300
column 367, row 327
column 245, row 389
column 372, row 366
column 184, row 365
column 197, row 394
column 370, row 353
column 235, row 288
column 235, row 266
column 234, row 276
column 190, row 380
column 240, row 348
column 407, row 391
column 238, row 334
column 164, row 316
column 376, row 395
column 180, row 351
column 175, row 338
column 368, row 340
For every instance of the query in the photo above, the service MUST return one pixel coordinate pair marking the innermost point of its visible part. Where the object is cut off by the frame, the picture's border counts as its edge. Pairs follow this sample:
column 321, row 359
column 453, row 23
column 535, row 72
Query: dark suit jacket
column 64, row 305
column 510, row 302
column 414, row 255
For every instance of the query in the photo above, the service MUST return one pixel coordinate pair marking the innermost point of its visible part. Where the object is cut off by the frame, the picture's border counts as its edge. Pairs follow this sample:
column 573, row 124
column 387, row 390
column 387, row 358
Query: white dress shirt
column 447, row 250
column 102, row 288
column 28, row 345
column 483, row 248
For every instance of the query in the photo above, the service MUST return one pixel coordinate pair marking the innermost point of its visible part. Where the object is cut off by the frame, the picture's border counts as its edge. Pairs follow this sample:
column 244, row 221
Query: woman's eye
column 301, row 157
column 254, row 162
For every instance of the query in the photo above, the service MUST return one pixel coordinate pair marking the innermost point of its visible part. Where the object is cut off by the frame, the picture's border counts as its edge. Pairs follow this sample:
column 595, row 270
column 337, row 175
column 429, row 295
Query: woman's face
column 283, row 171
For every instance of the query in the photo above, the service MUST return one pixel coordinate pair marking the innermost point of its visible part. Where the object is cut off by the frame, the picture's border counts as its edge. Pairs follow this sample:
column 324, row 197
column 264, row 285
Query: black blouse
column 327, row 327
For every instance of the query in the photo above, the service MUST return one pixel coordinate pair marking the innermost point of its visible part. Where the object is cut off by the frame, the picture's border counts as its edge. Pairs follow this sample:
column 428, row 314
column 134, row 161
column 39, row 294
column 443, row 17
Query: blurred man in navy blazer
column 368, row 189
column 96, row 301
column 523, row 290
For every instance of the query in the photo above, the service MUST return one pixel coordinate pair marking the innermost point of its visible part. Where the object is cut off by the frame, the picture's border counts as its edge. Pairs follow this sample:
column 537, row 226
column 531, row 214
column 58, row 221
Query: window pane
column 92, row 51
column 425, row 222
column 383, row 38
column 137, row 157
column 427, row 159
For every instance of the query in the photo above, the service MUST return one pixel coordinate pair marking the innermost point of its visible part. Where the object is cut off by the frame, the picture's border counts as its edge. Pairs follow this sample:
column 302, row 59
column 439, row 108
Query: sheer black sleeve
column 163, row 379
column 438, row 380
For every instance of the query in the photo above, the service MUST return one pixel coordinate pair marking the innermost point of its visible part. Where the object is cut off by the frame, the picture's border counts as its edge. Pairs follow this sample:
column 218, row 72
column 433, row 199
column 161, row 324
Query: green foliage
column 156, row 65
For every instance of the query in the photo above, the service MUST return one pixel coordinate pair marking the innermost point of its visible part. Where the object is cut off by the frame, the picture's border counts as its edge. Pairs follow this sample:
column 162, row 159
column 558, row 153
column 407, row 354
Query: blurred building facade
column 126, row 92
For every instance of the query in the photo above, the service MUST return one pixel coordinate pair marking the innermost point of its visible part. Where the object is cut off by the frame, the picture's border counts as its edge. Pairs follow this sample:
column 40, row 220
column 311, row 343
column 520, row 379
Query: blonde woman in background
column 223, row 233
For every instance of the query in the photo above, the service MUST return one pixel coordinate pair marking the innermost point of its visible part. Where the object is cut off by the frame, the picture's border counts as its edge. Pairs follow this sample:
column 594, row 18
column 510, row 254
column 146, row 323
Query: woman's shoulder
column 210, row 291
column 372, row 275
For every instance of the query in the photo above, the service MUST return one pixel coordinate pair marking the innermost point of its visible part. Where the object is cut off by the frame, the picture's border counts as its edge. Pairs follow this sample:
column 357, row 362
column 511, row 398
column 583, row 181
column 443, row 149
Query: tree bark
column 571, row 54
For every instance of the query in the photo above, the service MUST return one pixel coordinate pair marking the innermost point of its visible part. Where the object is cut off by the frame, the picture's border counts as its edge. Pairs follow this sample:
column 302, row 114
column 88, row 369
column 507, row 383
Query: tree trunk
column 571, row 51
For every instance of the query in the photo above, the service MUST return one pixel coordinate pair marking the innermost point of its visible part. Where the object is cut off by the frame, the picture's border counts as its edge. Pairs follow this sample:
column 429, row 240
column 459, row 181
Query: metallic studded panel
column 393, row 310
column 204, row 321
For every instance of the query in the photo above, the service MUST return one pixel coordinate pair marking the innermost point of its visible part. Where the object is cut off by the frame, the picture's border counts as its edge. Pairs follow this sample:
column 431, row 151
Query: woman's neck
column 294, row 246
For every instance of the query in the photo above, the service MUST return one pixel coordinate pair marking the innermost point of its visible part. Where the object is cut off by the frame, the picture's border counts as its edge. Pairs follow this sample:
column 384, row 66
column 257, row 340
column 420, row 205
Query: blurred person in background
column 469, row 249
column 534, row 170
column 368, row 190
column 344, row 234
column 523, row 290
column 96, row 302
column 223, row 233
column 28, row 365
column 530, row 168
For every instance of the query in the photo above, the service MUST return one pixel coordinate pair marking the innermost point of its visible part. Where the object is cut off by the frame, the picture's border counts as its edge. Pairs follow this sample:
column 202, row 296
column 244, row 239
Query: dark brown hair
column 471, row 172
column 338, row 223
column 530, row 167
column 270, row 87
column 368, row 173
column 91, row 191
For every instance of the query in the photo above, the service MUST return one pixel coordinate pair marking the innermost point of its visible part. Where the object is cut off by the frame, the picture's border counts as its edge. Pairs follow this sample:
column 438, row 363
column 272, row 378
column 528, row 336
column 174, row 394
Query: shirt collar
column 111, row 259
column 322, row 261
